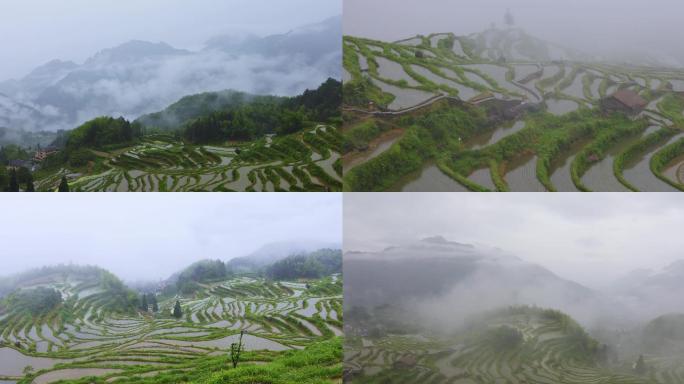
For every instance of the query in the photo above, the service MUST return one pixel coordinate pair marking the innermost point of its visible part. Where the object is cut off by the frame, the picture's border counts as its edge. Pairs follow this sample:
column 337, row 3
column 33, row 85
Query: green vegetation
column 224, row 141
column 200, row 272
column 264, row 115
column 661, row 159
column 314, row 265
column 287, row 331
column 35, row 301
column 102, row 132
column 510, row 67
column 358, row 136
column 427, row 136
column 512, row 345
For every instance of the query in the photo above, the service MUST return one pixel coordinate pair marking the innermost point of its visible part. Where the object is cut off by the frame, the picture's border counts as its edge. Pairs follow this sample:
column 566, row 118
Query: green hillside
column 291, row 331
column 513, row 345
column 253, row 144
column 503, row 111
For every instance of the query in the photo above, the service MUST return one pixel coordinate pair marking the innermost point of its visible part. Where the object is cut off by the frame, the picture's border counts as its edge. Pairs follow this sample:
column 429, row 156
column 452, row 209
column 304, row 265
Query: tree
column 144, row 306
column 177, row 311
column 30, row 187
column 508, row 18
column 235, row 349
column 155, row 306
column 640, row 366
column 4, row 177
column 64, row 185
column 14, row 184
column 24, row 175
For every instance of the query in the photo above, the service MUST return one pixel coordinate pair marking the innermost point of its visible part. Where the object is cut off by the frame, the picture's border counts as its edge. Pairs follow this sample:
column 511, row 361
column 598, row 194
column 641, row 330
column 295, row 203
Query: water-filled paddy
column 560, row 168
column 600, row 177
column 561, row 107
column 73, row 373
column 251, row 342
column 429, row 179
column 464, row 92
column 494, row 136
column 675, row 170
column 576, row 88
column 483, row 177
column 522, row 177
column 12, row 362
column 639, row 174
column 404, row 97
column 524, row 70
column 392, row 70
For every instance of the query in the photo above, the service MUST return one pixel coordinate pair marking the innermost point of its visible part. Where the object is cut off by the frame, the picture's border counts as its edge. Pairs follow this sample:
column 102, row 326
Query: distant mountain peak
column 135, row 49
column 52, row 66
column 442, row 240
column 272, row 252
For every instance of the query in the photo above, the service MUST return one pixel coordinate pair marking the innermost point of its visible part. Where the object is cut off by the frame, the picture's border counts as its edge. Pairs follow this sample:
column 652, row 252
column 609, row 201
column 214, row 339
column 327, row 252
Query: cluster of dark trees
column 177, row 311
column 102, row 132
column 16, row 179
column 13, row 152
column 147, row 301
column 35, row 301
column 323, row 103
column 191, row 107
column 310, row 266
column 267, row 114
column 120, row 297
column 201, row 271
column 99, row 133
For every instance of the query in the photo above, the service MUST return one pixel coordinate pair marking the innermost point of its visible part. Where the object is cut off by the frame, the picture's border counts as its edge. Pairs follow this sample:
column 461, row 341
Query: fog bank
column 151, row 236
column 612, row 27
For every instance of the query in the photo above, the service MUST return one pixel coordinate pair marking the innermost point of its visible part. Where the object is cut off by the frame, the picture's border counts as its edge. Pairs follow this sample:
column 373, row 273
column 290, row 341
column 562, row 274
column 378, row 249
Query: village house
column 624, row 100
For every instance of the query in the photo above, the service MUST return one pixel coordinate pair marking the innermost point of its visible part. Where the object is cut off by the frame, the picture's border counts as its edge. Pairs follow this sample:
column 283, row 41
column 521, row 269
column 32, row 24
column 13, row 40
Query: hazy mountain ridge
column 439, row 268
column 140, row 77
column 272, row 252
column 266, row 255
column 435, row 271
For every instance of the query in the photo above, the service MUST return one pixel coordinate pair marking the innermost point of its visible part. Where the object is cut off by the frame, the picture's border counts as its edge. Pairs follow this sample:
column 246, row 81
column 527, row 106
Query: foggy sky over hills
column 591, row 241
column 610, row 27
column 150, row 237
column 138, row 58
column 33, row 32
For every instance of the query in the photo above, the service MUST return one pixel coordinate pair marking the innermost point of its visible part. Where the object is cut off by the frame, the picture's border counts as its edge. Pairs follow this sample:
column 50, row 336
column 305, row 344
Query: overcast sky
column 151, row 236
column 586, row 24
column 590, row 239
column 33, row 32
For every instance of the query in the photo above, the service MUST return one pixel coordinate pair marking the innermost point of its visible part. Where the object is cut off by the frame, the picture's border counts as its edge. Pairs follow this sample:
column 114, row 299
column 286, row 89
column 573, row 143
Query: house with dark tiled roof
column 624, row 100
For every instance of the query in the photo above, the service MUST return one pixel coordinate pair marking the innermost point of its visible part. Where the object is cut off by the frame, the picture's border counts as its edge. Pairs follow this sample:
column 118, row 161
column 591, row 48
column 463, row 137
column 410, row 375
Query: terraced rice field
column 424, row 70
column 90, row 340
column 304, row 162
column 548, row 353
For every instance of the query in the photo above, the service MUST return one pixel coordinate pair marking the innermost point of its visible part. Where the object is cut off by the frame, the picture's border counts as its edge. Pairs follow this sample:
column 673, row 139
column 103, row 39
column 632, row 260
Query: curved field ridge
column 577, row 145
column 83, row 337
column 512, row 346
column 306, row 161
